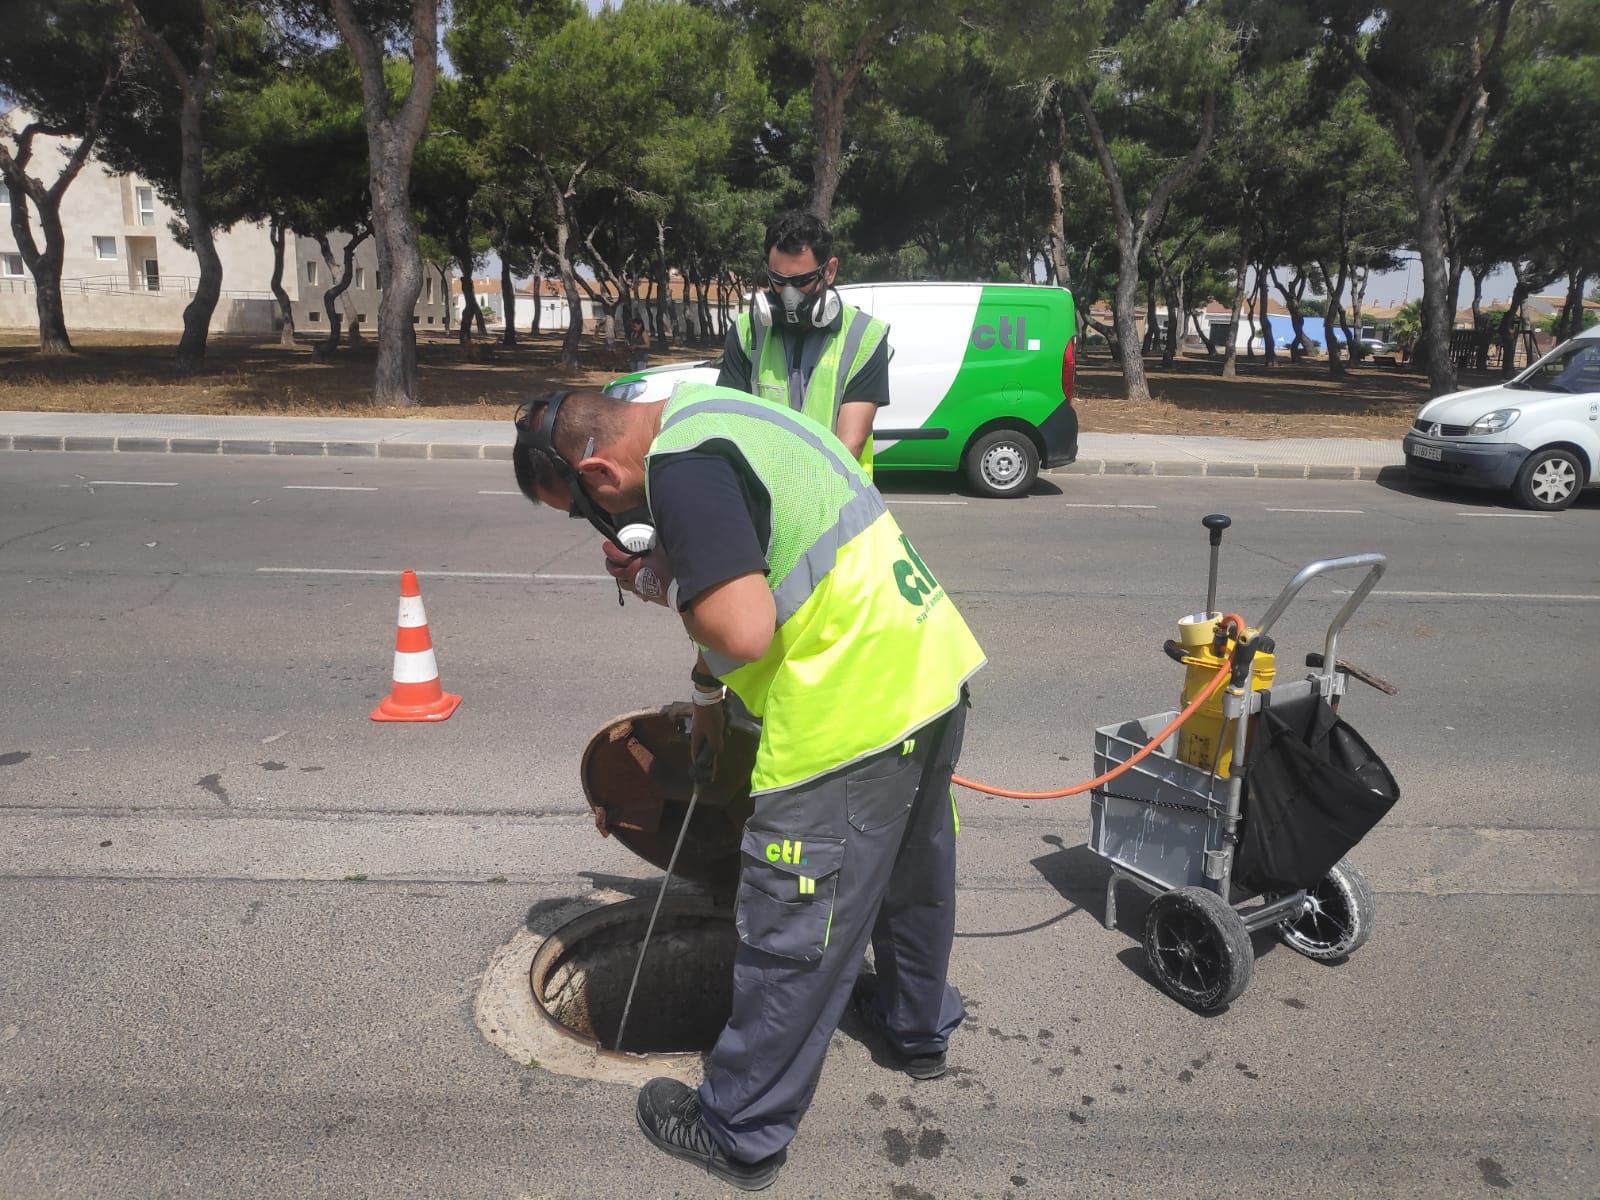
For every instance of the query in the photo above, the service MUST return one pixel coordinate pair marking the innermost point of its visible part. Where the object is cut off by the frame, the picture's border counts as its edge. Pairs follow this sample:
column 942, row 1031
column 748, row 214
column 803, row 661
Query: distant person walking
column 638, row 345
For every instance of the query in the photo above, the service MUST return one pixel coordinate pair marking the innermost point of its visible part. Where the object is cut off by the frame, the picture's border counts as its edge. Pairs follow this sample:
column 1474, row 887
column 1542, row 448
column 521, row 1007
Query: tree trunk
column 1057, row 147
column 1231, row 355
column 508, row 303
column 1269, row 340
column 191, row 186
column 469, row 302
column 391, row 143
column 538, row 299
column 1436, row 320
column 277, row 234
column 44, row 266
column 1131, row 235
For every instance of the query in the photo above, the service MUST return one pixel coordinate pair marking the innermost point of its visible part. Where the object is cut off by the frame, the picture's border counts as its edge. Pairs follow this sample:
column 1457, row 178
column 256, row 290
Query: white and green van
column 980, row 380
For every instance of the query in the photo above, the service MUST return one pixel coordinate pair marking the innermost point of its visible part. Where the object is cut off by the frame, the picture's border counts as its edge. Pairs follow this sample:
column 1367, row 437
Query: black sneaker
column 669, row 1115
column 864, row 1000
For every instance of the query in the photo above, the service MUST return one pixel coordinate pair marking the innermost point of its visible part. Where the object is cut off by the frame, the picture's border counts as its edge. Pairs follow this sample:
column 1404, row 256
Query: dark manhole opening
column 580, row 975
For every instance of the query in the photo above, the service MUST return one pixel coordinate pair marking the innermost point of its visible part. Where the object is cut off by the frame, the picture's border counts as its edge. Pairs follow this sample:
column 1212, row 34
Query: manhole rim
column 514, row 1022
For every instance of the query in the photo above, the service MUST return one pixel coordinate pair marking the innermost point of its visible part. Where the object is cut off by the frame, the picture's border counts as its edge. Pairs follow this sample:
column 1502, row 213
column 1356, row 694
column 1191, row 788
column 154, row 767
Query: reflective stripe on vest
column 868, row 647
column 856, row 340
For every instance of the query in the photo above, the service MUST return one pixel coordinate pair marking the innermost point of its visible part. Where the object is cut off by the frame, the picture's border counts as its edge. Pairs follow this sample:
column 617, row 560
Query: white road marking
column 522, row 575
column 499, row 493
column 1481, row 595
column 128, row 483
column 1354, row 512
column 1149, row 506
column 1523, row 516
column 897, row 500
column 324, row 487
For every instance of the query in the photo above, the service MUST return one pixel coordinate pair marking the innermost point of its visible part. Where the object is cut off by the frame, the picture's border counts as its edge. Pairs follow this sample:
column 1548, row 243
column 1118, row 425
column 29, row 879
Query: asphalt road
column 245, row 925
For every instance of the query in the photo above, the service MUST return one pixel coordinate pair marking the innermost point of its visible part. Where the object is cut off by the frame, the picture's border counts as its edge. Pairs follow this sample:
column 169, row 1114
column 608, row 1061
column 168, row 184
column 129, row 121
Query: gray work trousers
column 864, row 854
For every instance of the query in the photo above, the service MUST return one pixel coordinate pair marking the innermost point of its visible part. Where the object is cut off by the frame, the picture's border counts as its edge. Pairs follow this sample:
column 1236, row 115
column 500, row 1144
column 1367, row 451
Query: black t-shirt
column 871, row 383
column 712, row 519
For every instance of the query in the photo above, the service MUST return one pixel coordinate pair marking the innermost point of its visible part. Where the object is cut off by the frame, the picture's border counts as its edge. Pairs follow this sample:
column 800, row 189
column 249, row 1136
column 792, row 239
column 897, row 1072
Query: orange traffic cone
column 416, row 695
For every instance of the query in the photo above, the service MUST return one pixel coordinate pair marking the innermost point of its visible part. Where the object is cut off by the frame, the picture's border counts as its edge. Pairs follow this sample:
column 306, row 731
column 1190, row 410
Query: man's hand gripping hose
column 1231, row 620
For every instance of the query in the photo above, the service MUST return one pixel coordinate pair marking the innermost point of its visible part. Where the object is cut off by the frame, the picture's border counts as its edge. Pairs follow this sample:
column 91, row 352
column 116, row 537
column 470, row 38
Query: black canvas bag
column 1313, row 788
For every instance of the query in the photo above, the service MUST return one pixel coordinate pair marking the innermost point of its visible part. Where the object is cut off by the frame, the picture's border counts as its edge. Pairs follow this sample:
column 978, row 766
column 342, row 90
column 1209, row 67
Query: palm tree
column 1406, row 327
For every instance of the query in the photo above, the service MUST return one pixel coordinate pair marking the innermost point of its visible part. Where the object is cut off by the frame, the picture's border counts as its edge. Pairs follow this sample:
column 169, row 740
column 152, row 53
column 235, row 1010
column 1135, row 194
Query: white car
column 1538, row 435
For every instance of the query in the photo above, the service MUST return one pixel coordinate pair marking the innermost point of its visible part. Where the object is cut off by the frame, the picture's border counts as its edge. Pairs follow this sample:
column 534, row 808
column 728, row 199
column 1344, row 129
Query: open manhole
column 553, row 997
column 579, row 978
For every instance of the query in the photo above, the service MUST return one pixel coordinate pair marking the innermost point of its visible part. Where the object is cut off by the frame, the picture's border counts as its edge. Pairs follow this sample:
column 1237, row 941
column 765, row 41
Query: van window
column 1575, row 368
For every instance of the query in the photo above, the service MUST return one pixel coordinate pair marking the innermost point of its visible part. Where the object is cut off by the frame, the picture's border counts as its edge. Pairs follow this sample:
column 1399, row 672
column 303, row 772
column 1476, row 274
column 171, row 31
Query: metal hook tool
column 700, row 774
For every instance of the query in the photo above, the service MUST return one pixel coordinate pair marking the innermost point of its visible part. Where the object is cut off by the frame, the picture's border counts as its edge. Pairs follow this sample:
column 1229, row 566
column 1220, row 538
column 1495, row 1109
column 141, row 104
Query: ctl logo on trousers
column 785, row 851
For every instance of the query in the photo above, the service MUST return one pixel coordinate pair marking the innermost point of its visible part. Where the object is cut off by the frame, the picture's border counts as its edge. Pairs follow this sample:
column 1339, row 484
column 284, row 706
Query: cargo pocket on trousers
column 882, row 793
column 786, row 890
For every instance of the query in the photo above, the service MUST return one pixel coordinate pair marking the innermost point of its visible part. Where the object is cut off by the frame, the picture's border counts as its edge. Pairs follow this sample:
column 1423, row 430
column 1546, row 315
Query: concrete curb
column 1154, row 455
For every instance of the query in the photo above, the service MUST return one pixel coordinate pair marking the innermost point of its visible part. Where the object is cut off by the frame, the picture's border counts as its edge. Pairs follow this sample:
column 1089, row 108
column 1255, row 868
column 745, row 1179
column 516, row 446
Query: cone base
column 437, row 710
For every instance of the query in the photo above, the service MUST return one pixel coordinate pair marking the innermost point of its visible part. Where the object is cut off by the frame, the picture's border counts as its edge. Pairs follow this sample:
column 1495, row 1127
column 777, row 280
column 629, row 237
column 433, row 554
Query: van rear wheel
column 1002, row 463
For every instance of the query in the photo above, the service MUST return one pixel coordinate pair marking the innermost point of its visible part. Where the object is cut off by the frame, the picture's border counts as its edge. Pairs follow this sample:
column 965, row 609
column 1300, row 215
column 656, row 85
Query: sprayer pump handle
column 1216, row 523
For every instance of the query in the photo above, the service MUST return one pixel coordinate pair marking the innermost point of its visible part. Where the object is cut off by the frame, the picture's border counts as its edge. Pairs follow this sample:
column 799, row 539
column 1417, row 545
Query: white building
column 123, row 270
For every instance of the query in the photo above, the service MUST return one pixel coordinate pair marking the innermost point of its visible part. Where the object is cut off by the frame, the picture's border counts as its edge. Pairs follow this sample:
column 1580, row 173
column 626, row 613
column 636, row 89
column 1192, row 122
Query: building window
column 314, row 317
column 429, row 282
column 360, row 317
column 430, row 320
column 361, row 277
column 105, row 249
column 311, row 271
column 416, row 320
column 377, row 280
column 11, row 264
column 5, row 196
column 152, row 275
column 145, row 198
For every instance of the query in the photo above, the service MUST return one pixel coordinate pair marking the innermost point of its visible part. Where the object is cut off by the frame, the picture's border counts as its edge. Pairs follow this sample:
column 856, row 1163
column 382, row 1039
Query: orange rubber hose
column 1189, row 711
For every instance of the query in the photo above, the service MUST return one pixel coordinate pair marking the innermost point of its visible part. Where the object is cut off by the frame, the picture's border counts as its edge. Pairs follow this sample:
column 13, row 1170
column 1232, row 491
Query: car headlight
column 627, row 390
column 1500, row 418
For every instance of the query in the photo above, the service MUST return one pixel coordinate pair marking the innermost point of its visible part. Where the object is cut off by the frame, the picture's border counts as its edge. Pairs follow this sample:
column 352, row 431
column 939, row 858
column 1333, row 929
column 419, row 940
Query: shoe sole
column 753, row 1183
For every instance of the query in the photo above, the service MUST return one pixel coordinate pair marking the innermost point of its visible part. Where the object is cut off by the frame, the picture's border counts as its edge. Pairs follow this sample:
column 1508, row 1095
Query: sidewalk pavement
column 429, row 438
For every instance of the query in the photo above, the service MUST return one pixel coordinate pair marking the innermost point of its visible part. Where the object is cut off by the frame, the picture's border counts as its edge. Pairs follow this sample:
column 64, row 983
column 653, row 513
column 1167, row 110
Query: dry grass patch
column 120, row 373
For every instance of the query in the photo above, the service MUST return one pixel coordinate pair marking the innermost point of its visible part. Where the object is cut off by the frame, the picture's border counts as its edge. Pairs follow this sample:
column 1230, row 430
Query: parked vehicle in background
column 1538, row 435
column 980, row 380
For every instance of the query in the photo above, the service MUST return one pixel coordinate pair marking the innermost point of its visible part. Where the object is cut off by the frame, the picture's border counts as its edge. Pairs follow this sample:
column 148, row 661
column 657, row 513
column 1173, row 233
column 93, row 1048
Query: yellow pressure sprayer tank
column 1203, row 655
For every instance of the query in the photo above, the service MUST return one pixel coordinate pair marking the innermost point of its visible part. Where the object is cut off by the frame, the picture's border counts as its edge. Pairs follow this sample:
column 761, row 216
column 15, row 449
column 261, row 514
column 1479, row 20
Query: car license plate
column 1429, row 452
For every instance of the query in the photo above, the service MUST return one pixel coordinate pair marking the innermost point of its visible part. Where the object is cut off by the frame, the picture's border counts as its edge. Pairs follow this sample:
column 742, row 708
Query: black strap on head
column 536, row 430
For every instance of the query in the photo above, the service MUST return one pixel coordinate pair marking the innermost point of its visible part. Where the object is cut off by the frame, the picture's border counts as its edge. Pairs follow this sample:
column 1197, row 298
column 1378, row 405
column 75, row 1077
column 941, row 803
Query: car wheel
column 1549, row 481
column 1002, row 463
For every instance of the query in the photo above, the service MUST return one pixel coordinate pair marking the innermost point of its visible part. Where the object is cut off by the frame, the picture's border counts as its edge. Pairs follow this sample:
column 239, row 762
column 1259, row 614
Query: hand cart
column 1261, row 847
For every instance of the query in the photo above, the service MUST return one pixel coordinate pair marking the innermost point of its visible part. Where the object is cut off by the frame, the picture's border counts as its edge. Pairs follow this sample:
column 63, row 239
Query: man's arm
column 736, row 371
column 867, row 391
column 854, row 424
column 736, row 618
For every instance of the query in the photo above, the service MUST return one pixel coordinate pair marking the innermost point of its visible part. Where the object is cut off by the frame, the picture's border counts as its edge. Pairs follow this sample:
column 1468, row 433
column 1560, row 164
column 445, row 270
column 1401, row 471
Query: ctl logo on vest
column 916, row 582
column 1007, row 336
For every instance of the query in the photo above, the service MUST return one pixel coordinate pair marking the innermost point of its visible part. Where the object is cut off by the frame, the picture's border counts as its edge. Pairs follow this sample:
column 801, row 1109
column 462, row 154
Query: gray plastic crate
column 1164, row 845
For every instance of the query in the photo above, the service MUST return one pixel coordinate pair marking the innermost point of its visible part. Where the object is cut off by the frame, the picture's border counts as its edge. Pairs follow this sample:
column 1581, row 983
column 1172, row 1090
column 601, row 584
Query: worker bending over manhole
column 811, row 606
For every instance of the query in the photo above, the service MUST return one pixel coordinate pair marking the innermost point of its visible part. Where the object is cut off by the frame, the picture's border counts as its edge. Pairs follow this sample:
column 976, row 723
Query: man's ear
column 833, row 269
column 600, row 475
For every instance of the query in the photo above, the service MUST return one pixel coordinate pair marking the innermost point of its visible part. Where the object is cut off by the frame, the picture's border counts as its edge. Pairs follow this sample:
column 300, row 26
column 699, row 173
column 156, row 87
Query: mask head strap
column 536, row 428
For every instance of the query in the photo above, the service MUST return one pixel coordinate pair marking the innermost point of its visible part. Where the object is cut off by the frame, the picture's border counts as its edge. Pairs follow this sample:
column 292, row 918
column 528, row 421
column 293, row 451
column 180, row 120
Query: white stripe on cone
column 411, row 613
column 416, row 666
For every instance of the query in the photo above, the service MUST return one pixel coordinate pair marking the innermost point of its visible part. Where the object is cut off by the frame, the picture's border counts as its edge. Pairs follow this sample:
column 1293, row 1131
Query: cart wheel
column 1198, row 948
column 1340, row 919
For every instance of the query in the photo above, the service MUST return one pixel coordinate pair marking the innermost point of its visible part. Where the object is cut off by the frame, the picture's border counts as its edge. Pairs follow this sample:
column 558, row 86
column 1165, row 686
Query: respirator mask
column 632, row 530
column 787, row 305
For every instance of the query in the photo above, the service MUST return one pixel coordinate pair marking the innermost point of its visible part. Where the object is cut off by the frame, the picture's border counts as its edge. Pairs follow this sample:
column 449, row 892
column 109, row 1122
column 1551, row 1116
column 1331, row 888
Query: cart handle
column 1376, row 562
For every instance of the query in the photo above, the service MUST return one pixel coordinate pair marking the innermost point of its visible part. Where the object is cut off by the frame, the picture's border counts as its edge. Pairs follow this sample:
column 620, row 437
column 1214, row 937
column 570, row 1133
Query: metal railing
column 181, row 286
